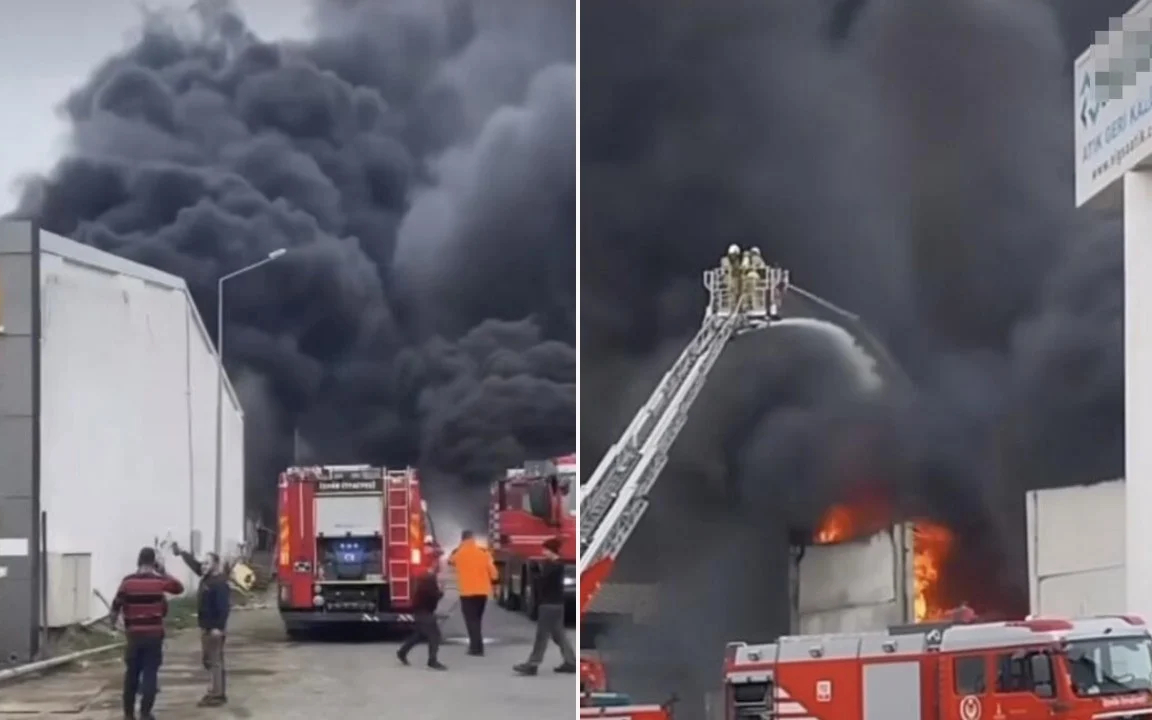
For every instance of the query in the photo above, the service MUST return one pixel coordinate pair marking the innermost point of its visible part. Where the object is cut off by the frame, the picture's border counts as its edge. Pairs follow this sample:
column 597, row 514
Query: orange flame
column 835, row 527
column 931, row 545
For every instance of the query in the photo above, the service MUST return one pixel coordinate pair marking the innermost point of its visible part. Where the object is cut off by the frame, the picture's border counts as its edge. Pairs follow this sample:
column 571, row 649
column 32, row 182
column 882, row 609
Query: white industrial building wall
column 856, row 586
column 1076, row 550
column 128, row 381
column 1137, row 386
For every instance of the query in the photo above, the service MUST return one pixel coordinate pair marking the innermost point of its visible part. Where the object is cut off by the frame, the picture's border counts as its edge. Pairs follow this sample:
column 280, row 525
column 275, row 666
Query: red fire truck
column 526, row 507
column 1086, row 669
column 353, row 538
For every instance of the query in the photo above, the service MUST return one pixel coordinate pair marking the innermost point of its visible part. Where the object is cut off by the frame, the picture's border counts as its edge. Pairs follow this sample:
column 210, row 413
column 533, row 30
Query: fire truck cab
column 1085, row 669
column 526, row 507
column 353, row 539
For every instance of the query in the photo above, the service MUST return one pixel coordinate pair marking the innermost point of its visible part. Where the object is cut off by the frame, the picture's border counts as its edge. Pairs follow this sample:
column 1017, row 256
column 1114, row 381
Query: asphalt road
column 270, row 677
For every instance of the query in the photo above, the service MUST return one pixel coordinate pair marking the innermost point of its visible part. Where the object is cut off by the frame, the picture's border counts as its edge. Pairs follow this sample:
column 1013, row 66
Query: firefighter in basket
column 730, row 270
column 756, row 262
column 756, row 278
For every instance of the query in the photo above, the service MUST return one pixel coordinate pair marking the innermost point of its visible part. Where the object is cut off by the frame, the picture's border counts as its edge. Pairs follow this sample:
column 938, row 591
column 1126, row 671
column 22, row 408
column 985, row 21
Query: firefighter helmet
column 733, row 249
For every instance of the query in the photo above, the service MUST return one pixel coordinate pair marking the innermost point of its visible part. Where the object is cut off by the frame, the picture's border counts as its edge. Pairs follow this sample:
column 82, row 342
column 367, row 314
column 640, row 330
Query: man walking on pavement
column 426, row 628
column 213, row 603
column 140, row 601
column 475, row 573
column 550, row 621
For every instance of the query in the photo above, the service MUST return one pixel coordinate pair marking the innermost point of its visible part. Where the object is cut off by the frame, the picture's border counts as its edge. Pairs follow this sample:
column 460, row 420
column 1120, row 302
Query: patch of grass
column 181, row 613
column 181, row 616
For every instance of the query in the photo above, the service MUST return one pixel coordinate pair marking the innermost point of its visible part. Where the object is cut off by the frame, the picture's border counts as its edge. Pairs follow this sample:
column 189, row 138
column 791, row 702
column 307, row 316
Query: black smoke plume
column 908, row 161
column 417, row 160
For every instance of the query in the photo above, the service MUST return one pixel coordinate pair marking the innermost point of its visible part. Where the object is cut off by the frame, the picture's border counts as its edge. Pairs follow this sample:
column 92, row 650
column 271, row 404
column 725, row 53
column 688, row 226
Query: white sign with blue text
column 1114, row 123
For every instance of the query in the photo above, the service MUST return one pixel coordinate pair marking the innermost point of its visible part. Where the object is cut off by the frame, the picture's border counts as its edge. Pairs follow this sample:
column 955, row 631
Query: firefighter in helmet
column 731, row 267
column 756, row 280
column 754, row 289
column 756, row 260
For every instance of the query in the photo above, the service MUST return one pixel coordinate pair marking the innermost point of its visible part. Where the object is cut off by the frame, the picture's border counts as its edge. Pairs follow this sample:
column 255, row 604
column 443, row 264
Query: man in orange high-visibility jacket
column 475, row 573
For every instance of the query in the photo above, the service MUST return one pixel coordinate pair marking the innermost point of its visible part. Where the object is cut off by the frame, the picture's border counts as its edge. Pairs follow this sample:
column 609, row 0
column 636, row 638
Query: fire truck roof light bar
column 348, row 472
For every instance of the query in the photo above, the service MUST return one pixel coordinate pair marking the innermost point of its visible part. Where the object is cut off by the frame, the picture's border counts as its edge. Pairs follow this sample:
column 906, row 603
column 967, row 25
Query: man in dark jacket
column 425, row 627
column 140, row 601
column 214, row 602
column 550, row 621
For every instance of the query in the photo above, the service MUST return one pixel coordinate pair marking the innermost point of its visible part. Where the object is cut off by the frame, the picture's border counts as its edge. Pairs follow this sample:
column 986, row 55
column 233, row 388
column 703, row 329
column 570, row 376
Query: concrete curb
column 41, row 665
column 15, row 673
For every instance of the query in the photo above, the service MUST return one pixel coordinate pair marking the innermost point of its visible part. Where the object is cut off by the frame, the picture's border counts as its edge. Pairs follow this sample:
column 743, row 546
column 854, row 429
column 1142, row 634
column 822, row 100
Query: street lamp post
column 218, row 537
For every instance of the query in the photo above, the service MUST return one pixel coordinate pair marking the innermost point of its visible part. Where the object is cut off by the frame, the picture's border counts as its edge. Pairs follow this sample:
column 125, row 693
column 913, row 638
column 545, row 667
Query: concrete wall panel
column 850, row 619
column 849, row 574
column 855, row 586
column 1077, row 528
column 1089, row 592
column 1076, row 549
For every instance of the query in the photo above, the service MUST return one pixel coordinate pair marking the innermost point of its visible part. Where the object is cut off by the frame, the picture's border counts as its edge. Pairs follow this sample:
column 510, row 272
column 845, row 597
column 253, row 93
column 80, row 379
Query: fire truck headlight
column 569, row 581
column 318, row 600
column 315, row 589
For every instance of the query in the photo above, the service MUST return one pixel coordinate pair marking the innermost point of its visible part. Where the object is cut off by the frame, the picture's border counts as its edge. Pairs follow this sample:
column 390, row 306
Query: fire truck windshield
column 1110, row 666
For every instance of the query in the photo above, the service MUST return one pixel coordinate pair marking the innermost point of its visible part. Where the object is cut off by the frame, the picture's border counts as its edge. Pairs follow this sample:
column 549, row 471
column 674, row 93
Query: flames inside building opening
column 932, row 547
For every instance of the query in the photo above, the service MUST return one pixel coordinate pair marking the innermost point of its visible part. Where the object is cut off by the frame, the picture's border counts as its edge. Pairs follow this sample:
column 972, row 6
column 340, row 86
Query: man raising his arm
column 140, row 600
column 213, row 604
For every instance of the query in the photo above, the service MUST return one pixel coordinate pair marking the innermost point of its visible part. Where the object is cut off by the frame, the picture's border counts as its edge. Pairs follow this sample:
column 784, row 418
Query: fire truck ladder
column 615, row 496
column 397, row 493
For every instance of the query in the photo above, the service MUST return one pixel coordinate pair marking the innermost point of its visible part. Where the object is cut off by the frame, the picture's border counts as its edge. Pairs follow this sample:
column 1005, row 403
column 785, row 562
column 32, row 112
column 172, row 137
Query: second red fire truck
column 526, row 507
column 1088, row 669
column 352, row 540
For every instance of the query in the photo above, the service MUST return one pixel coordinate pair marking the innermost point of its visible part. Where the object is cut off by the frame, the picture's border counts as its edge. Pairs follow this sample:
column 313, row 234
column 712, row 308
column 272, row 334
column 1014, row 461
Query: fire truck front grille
column 354, row 598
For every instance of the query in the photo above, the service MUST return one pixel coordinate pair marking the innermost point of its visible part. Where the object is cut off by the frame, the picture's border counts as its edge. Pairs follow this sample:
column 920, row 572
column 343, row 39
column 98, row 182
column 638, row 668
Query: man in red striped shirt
column 142, row 603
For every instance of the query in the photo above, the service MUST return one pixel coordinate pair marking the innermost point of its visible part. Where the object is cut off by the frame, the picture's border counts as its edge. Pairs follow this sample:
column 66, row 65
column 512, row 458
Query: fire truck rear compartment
column 887, row 691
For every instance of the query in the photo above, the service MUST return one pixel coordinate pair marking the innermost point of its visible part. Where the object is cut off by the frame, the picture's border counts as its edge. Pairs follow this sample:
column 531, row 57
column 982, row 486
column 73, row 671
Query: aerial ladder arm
column 745, row 294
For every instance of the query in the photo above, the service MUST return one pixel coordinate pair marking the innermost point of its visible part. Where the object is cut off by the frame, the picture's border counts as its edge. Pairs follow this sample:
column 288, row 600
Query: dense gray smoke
column 417, row 160
column 910, row 162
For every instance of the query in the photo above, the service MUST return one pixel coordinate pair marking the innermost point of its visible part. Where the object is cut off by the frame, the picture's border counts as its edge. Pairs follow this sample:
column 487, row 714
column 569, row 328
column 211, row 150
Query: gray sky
column 48, row 47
